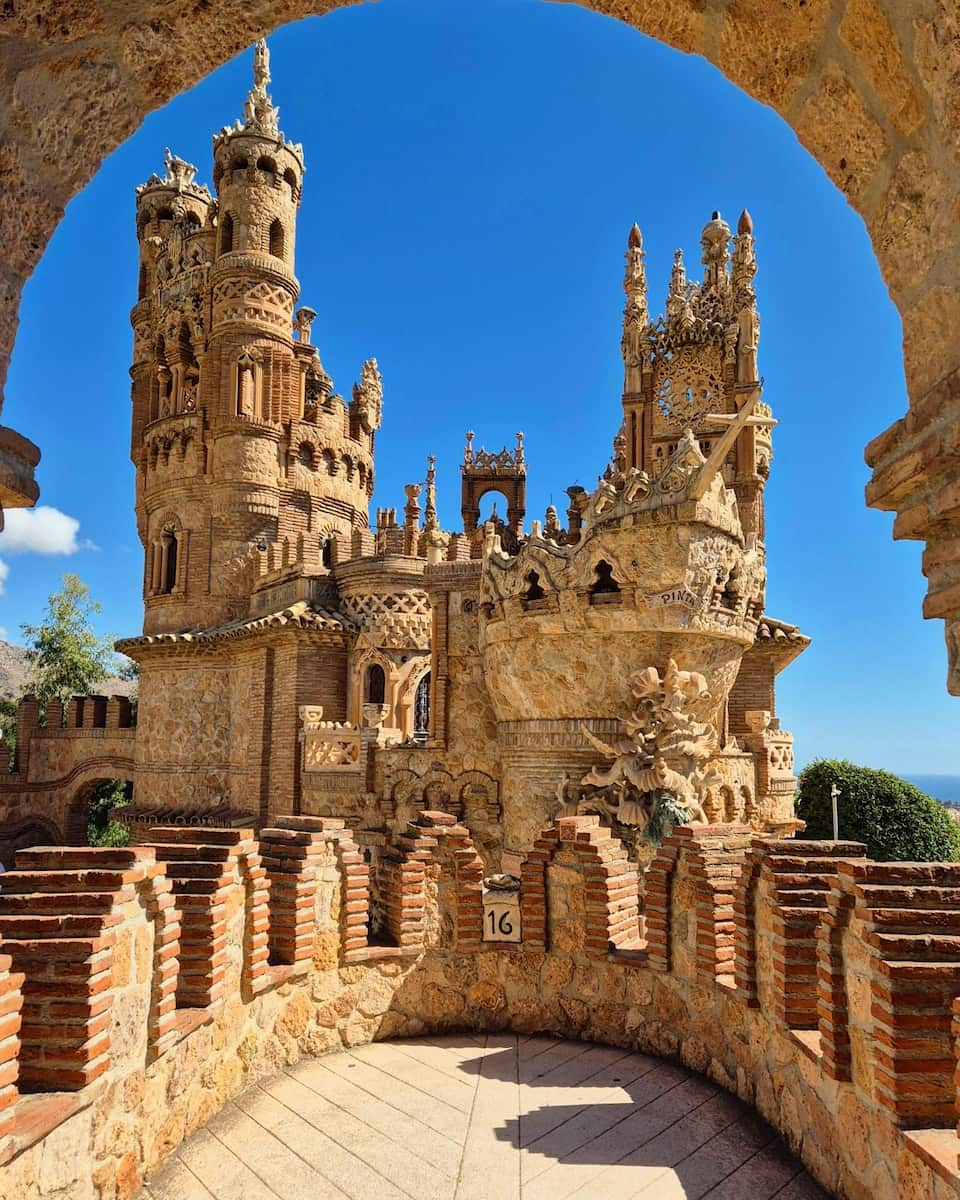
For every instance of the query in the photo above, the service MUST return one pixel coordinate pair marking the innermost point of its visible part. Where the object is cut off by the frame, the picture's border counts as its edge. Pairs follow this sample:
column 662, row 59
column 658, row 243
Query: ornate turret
column 238, row 437
column 635, row 313
column 696, row 367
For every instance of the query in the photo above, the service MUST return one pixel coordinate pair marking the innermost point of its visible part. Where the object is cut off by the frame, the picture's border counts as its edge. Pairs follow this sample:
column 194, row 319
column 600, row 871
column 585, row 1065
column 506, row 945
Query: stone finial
column 677, row 295
column 636, row 314
column 518, row 458
column 468, row 449
column 437, row 543
column 744, row 260
column 368, row 396
column 430, row 520
column 305, row 318
column 260, row 114
column 714, row 242
column 177, row 174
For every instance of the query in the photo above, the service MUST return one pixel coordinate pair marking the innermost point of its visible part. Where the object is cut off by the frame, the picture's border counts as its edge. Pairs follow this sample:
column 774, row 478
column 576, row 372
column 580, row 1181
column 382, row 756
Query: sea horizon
column 945, row 788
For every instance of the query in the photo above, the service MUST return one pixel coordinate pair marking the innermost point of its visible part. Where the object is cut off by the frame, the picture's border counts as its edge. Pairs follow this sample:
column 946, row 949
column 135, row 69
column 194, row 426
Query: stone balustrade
column 142, row 988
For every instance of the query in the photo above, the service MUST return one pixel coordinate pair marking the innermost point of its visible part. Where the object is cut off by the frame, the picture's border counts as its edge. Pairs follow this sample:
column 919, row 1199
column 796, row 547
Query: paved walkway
column 484, row 1118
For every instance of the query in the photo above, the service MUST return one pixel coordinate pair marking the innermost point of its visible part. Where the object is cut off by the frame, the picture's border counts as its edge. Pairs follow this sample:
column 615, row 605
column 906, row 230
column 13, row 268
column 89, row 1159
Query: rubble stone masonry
column 141, row 988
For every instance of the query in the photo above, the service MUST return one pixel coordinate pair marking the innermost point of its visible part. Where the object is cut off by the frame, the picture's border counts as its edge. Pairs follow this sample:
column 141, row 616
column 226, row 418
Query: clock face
column 688, row 388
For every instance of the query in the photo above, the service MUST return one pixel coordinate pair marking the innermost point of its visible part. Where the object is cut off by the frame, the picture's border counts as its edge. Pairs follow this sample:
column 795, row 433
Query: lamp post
column 834, row 793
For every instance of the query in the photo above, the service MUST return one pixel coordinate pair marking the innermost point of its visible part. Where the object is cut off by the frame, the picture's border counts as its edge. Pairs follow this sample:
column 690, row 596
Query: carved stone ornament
column 687, row 390
column 368, row 396
column 662, row 757
column 328, row 745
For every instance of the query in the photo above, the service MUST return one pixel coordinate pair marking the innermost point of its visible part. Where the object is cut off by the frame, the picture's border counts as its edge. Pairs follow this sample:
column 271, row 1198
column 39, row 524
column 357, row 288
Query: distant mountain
column 15, row 673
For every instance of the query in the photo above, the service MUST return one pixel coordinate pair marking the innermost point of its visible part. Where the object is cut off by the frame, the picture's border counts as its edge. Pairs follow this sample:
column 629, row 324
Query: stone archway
column 871, row 88
column 77, row 814
column 33, row 832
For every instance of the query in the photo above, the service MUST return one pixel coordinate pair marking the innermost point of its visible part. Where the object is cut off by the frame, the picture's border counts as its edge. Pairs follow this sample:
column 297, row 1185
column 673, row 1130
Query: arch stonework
column 871, row 88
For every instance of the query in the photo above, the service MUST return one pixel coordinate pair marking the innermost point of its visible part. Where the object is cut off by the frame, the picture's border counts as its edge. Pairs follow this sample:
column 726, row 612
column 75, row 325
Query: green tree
column 8, row 723
column 67, row 657
column 101, row 830
column 897, row 821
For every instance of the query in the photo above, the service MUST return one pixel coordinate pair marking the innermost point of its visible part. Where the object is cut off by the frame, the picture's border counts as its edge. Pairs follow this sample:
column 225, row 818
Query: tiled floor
column 484, row 1118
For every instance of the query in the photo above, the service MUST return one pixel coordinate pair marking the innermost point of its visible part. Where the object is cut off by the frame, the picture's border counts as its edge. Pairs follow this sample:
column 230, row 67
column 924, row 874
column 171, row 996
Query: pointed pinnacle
column 745, row 224
column 635, row 240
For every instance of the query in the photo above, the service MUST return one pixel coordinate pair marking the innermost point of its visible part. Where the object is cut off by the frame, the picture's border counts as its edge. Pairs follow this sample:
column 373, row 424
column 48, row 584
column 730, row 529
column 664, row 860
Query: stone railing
column 141, row 988
column 329, row 745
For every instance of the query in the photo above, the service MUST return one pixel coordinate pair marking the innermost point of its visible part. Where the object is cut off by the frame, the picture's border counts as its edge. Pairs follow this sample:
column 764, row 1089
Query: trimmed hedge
column 898, row 822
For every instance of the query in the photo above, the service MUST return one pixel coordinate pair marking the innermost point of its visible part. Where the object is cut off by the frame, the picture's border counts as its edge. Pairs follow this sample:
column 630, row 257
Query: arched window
column 326, row 552
column 291, row 180
column 226, row 234
column 605, row 582
column 246, row 386
column 267, row 165
column 164, row 566
column 305, row 455
column 375, row 688
column 421, row 709
column 277, row 241
column 534, row 591
column 165, row 214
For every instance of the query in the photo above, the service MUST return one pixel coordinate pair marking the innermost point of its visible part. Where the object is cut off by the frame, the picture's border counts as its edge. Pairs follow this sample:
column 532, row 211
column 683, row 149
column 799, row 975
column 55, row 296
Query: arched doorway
column 89, row 820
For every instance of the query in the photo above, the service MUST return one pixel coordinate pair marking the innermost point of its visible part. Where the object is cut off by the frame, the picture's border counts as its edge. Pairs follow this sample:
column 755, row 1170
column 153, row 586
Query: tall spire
column 715, row 241
column 430, row 512
column 635, row 280
column 260, row 114
column 677, row 295
column 635, row 313
column 744, row 260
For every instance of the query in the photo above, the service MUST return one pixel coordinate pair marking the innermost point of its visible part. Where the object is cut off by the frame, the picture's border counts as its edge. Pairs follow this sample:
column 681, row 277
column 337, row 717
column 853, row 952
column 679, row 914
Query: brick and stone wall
column 44, row 790
column 141, row 988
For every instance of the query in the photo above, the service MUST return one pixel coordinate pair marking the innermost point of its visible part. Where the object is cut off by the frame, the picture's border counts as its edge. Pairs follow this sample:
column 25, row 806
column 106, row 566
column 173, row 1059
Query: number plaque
column 501, row 914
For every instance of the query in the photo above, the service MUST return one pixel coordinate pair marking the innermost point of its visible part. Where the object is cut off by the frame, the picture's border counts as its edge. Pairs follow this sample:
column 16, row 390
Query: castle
column 349, row 730
column 295, row 661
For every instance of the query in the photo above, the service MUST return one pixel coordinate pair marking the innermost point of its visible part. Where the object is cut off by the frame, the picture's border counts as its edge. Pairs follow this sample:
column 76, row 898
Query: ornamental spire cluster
column 260, row 114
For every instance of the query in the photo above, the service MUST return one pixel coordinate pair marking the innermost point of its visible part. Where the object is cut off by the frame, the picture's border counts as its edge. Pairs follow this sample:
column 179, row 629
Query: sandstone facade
column 295, row 662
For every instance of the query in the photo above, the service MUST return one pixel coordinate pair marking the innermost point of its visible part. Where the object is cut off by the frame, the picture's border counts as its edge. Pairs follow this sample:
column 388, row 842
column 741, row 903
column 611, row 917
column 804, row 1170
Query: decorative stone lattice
column 399, row 619
column 328, row 745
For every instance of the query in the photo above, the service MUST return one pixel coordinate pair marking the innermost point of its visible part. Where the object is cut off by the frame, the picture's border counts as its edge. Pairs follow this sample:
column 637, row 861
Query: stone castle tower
column 695, row 367
column 295, row 661
column 238, row 440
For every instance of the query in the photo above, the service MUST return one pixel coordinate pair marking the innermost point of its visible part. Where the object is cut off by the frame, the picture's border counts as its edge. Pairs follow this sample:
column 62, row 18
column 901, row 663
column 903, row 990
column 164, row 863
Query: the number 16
column 502, row 924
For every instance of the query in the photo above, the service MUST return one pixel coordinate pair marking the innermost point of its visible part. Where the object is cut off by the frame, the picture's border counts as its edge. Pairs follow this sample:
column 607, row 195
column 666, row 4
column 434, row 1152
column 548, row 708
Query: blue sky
column 472, row 172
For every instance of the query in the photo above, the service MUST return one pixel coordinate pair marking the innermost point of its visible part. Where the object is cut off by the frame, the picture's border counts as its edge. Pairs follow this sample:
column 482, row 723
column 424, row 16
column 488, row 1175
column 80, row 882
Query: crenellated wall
column 44, row 790
column 141, row 988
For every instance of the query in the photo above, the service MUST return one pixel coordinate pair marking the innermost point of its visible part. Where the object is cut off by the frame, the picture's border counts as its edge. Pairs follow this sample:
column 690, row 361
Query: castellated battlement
column 142, row 988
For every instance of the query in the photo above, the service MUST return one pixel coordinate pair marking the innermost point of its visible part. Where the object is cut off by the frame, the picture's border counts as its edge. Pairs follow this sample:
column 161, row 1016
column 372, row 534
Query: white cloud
column 3, row 633
column 41, row 530
column 4, row 572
